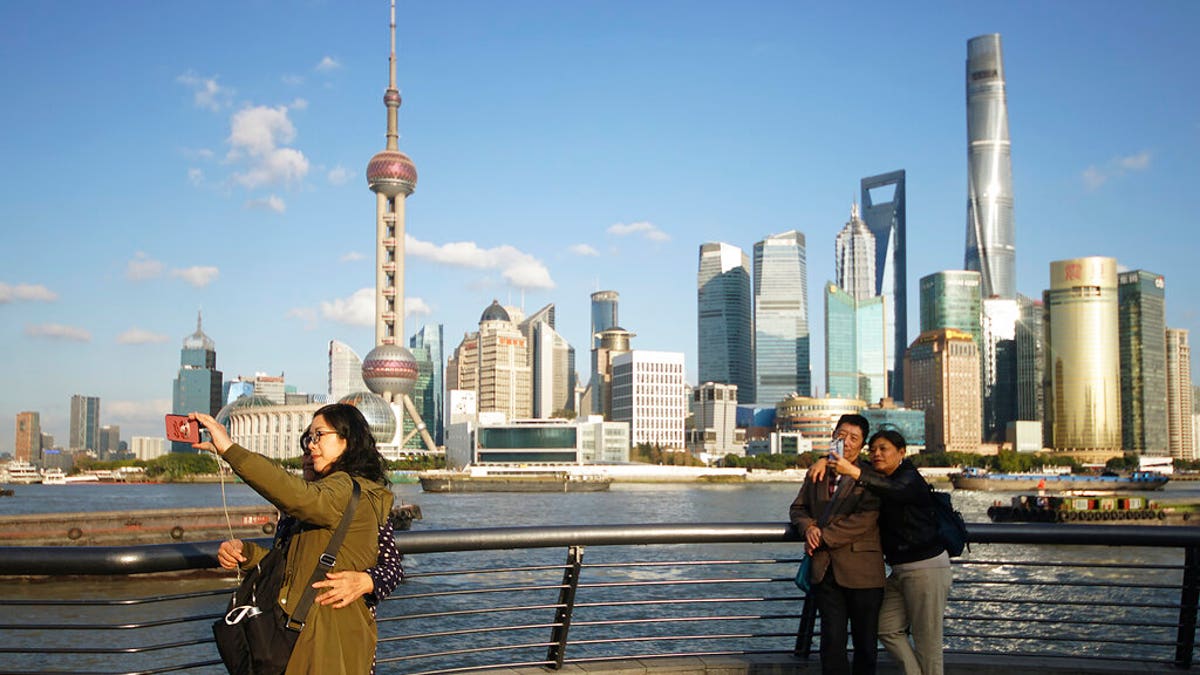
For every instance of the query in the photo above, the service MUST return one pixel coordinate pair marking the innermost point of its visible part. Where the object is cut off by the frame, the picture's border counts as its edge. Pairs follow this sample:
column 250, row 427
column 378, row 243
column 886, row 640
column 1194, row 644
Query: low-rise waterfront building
column 814, row 418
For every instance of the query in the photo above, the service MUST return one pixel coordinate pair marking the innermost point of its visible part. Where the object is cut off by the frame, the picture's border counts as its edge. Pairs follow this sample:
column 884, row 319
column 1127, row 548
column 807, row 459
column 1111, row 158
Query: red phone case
column 182, row 429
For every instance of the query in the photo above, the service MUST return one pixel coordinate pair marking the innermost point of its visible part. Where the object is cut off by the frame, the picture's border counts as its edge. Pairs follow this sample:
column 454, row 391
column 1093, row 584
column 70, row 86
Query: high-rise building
column 854, row 264
column 1083, row 390
column 198, row 385
column 990, row 241
column 1182, row 442
column 271, row 387
column 1031, row 359
column 725, row 328
column 714, row 420
column 147, row 448
column 236, row 388
column 423, row 399
column 28, row 445
column 110, row 441
column 885, row 217
column 942, row 378
column 1142, row 322
column 951, row 299
column 613, row 342
column 430, row 337
column 345, row 371
column 494, row 362
column 85, row 423
column 781, row 341
column 604, row 316
column 998, row 361
column 856, row 357
column 552, row 364
column 649, row 392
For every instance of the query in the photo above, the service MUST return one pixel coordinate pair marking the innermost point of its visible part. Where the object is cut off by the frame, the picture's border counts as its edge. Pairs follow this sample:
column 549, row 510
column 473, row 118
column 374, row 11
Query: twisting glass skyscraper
column 885, row 217
column 990, row 245
column 781, row 339
column 725, row 328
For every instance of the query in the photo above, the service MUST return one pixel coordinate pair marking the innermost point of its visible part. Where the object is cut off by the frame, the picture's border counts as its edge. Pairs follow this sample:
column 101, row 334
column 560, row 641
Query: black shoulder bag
column 255, row 637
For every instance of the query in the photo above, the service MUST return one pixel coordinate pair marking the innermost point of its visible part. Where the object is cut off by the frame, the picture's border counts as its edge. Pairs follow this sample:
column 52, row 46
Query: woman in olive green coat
column 333, row 640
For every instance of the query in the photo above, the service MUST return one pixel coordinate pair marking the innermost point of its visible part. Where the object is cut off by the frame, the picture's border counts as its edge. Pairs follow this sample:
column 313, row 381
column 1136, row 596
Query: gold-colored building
column 941, row 377
column 1083, row 378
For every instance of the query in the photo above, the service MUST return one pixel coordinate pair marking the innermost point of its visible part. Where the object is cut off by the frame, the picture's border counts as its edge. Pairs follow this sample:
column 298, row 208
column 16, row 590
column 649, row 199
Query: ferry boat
column 21, row 473
column 489, row 479
column 1103, row 509
column 54, row 476
column 972, row 478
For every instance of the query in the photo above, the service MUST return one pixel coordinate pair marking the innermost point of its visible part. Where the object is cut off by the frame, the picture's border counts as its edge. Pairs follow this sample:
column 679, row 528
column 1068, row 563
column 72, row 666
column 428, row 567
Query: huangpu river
column 623, row 504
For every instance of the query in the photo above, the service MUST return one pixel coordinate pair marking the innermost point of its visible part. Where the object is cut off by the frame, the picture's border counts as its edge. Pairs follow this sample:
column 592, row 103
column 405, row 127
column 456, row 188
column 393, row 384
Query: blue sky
column 160, row 158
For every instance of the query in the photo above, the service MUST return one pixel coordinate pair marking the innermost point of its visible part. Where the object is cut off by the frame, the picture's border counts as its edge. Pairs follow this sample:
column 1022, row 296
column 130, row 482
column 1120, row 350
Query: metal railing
column 509, row 598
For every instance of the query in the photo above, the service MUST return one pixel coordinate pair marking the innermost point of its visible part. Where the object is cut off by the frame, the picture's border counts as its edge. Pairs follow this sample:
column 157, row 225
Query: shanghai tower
column 990, row 247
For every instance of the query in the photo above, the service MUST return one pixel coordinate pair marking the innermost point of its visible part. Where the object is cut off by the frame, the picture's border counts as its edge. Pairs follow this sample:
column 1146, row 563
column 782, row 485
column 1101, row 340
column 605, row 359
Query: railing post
column 804, row 634
column 566, row 606
column 1189, row 599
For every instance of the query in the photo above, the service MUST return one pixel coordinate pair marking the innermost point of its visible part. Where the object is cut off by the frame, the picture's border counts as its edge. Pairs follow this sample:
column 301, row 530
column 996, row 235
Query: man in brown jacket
column 840, row 522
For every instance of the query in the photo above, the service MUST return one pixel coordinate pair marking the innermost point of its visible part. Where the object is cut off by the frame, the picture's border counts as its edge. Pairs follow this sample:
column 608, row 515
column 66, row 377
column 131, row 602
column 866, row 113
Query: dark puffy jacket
column 907, row 524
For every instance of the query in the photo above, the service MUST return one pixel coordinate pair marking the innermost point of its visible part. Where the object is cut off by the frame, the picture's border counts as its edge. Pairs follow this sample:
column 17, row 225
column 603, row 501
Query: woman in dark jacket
column 915, row 594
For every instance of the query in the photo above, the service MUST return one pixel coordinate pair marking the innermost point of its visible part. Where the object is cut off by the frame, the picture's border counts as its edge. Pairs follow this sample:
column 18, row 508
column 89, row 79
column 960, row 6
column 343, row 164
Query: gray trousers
column 915, row 601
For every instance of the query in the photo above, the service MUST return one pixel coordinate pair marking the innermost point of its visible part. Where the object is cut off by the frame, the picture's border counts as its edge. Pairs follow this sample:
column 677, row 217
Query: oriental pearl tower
column 390, row 370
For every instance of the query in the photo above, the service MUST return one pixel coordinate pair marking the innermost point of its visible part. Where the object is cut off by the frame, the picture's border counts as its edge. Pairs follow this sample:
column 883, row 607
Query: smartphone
column 836, row 449
column 182, row 429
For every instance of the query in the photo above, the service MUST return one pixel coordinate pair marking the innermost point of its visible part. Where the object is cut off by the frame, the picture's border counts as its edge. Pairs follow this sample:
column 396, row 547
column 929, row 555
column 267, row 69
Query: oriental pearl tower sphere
column 390, row 369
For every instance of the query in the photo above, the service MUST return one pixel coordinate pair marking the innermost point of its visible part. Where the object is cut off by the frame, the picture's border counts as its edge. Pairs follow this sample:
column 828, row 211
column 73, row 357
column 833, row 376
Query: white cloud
column 519, row 269
column 1095, row 176
column 142, row 267
column 352, row 256
column 416, row 307
column 269, row 203
column 197, row 276
column 195, row 176
column 137, row 336
column 644, row 228
column 299, row 104
column 197, row 153
column 134, row 415
column 206, row 93
column 293, row 80
column 327, row 64
column 583, row 249
column 338, row 175
column 36, row 292
column 57, row 331
column 255, row 137
column 305, row 314
column 356, row 310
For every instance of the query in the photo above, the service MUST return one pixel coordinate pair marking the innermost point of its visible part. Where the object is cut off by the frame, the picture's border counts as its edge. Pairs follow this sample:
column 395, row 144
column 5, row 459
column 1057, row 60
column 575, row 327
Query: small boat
column 54, row 476
column 972, row 478
column 490, row 479
column 21, row 473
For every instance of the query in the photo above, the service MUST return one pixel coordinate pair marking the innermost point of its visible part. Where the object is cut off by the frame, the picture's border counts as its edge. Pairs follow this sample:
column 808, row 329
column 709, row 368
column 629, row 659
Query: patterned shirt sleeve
column 387, row 572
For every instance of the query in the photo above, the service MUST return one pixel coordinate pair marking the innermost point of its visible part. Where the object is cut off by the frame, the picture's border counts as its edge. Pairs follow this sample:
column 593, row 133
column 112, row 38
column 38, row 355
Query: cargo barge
column 978, row 479
column 491, row 480
column 1091, row 509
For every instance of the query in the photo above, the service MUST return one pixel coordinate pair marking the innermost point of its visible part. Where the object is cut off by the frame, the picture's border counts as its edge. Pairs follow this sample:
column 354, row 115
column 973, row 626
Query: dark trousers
column 859, row 606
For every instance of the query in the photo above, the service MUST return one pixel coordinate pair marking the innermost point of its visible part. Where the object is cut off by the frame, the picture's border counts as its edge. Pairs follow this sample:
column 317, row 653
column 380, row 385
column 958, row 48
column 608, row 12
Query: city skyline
column 226, row 172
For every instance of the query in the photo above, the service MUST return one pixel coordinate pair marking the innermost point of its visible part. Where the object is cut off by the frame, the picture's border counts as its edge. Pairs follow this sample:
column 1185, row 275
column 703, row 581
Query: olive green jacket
column 333, row 640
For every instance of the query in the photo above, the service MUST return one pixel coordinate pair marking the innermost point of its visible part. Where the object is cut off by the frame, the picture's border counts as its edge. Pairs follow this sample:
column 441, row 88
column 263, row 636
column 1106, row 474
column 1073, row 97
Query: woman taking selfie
column 914, row 598
column 333, row 640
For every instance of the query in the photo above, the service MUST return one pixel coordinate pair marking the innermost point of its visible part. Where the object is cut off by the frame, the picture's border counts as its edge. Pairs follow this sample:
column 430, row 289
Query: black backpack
column 952, row 529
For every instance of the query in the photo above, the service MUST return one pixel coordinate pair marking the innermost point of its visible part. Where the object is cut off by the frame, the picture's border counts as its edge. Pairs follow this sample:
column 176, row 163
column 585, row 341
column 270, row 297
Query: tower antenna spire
column 393, row 124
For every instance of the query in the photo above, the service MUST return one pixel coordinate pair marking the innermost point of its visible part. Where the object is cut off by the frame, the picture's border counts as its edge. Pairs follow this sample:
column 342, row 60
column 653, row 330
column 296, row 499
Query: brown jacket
column 333, row 640
column 850, row 538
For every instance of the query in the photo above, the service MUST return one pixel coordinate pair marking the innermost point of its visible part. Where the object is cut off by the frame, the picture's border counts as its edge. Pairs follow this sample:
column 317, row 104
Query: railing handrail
column 120, row 560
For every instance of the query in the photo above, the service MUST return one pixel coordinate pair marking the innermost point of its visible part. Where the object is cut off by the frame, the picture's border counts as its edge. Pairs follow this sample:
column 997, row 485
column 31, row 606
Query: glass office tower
column 951, row 299
column 885, row 217
column 991, row 250
column 782, row 349
column 725, row 327
column 1142, row 321
column 855, row 346
column 1031, row 359
column 1083, row 394
column 604, row 317
column 431, row 338
column 198, row 385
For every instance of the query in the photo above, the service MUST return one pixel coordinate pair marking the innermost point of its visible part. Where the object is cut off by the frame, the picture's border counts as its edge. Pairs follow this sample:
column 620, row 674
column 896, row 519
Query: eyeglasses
column 314, row 436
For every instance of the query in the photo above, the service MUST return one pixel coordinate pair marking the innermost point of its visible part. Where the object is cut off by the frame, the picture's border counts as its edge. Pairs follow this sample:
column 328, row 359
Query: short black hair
column 855, row 420
column 361, row 457
column 894, row 437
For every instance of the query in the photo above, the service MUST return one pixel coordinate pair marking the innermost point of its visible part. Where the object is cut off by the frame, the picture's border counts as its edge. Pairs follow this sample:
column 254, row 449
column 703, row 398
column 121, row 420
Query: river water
column 625, row 503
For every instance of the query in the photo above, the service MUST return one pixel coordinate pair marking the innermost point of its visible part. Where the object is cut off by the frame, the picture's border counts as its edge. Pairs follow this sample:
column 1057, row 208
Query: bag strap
column 325, row 563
